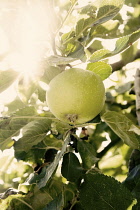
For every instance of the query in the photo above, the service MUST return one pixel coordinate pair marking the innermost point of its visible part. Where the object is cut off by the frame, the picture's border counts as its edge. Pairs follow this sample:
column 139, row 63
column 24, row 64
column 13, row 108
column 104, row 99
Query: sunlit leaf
column 89, row 10
column 108, row 9
column 79, row 53
column 121, row 125
column 26, row 111
column 97, row 191
column 121, row 44
column 102, row 69
column 135, row 129
column 50, row 73
column 7, row 78
column 99, row 55
column 59, row 60
column 79, row 26
column 41, row 94
column 123, row 88
column 26, row 89
column 14, row 105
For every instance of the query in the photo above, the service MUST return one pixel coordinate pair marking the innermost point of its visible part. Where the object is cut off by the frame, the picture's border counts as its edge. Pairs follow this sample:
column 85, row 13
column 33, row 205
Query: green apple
column 76, row 96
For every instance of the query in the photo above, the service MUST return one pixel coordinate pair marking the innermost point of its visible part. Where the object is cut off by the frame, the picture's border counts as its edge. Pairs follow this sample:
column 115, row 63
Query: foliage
column 55, row 165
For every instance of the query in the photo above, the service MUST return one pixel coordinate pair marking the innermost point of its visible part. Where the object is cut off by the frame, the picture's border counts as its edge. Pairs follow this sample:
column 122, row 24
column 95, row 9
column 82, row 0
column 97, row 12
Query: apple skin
column 76, row 96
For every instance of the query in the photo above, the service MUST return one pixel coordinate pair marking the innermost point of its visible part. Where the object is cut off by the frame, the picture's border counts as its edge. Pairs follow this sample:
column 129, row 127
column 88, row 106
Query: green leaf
column 56, row 204
column 135, row 129
column 103, row 192
column 134, row 36
column 9, row 128
column 87, row 153
column 33, row 133
column 101, row 68
column 52, row 167
column 71, row 168
column 121, row 125
column 36, row 200
column 52, row 142
column 124, row 88
column 79, row 53
column 88, row 10
column 7, row 78
column 79, row 26
column 41, row 94
column 136, row 207
column 50, row 73
column 121, row 44
column 26, row 111
column 26, row 89
column 59, row 60
column 99, row 55
column 132, row 182
column 14, row 106
column 108, row 9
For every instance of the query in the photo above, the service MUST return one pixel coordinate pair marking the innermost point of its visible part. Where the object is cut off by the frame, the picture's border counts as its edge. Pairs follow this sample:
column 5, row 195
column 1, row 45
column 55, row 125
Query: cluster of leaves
column 69, row 170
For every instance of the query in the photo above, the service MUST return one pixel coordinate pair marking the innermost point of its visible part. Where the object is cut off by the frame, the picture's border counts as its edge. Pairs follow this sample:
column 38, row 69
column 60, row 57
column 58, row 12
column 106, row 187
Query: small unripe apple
column 76, row 96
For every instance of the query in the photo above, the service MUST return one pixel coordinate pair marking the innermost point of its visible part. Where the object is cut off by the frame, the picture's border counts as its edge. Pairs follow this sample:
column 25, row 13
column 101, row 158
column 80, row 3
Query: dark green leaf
column 102, row 192
column 71, row 168
column 56, row 204
column 33, row 133
column 132, row 182
column 121, row 125
column 7, row 78
column 87, row 153
column 136, row 207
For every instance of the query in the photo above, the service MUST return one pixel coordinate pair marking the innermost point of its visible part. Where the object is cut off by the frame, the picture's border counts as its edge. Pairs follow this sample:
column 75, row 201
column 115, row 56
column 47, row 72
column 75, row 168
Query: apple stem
column 72, row 117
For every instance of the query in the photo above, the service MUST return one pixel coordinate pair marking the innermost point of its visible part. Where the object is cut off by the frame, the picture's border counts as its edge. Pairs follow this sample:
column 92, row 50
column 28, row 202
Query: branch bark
column 137, row 92
column 135, row 156
column 118, row 65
